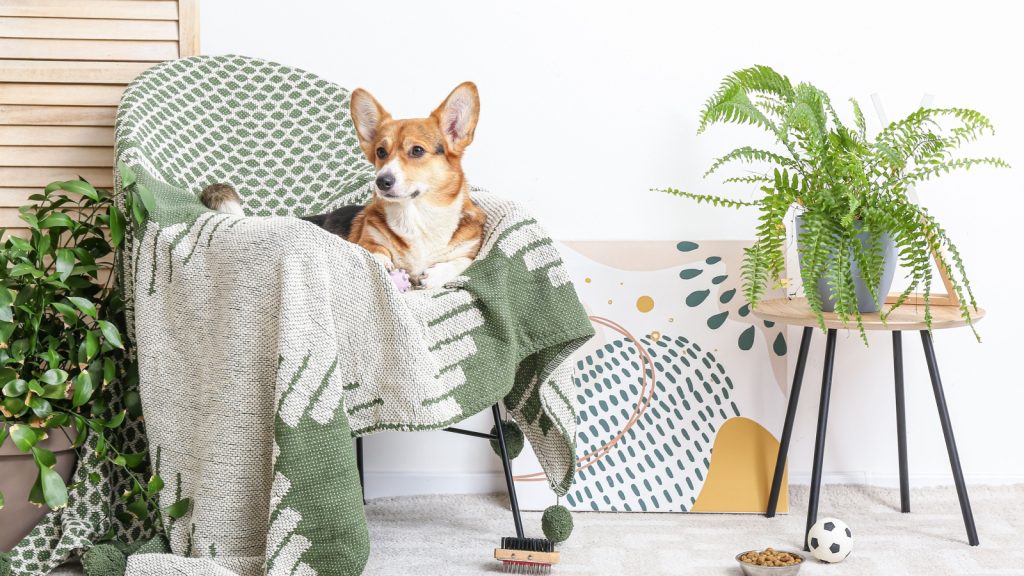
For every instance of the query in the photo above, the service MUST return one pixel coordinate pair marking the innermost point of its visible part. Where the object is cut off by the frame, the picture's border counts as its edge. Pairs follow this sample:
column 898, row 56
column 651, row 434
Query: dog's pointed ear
column 457, row 116
column 367, row 115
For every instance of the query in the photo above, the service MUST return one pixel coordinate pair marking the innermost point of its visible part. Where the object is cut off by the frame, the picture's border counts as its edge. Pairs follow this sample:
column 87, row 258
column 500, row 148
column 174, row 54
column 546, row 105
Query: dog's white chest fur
column 426, row 229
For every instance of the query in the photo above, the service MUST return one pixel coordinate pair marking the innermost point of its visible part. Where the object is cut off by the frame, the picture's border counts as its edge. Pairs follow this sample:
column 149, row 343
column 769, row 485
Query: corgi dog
column 421, row 219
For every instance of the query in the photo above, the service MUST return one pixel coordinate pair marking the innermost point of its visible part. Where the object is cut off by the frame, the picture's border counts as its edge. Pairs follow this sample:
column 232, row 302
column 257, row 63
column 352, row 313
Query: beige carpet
column 456, row 535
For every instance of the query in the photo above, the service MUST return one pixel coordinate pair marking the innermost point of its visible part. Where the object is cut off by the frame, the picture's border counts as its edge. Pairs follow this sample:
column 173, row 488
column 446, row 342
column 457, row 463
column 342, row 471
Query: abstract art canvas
column 680, row 392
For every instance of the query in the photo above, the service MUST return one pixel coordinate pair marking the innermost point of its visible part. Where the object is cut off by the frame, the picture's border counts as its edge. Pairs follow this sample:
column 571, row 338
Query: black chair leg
column 359, row 466
column 947, row 432
column 901, row 420
column 507, row 465
column 819, row 440
column 787, row 427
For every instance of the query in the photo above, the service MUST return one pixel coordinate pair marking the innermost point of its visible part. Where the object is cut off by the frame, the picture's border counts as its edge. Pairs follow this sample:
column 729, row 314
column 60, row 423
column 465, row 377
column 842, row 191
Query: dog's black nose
column 385, row 182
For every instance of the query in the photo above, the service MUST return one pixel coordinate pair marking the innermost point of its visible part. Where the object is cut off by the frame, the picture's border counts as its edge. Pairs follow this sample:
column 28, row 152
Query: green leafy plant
column 846, row 184
column 61, row 344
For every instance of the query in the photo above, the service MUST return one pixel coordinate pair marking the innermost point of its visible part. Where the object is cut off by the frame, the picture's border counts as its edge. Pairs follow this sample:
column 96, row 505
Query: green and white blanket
column 264, row 343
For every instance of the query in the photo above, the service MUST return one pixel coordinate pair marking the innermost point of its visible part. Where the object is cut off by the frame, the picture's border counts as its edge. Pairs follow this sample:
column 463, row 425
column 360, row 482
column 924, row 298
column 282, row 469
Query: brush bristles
column 525, row 568
column 528, row 544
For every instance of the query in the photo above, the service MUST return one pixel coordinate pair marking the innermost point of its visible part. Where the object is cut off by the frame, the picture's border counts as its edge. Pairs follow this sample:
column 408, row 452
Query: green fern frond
column 707, row 198
column 748, row 155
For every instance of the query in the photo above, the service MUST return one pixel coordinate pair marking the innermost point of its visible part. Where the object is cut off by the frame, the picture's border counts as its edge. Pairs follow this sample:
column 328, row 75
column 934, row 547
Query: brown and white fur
column 421, row 218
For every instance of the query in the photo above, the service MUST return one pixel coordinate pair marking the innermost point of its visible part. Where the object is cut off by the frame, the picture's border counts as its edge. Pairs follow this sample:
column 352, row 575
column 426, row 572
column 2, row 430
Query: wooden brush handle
column 527, row 556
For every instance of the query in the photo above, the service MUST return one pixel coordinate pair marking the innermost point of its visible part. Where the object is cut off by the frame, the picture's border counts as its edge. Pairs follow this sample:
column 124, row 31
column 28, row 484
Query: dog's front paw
column 438, row 275
column 385, row 261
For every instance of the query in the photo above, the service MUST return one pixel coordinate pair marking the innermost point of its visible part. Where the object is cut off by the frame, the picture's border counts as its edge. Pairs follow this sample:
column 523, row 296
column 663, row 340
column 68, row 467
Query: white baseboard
column 389, row 484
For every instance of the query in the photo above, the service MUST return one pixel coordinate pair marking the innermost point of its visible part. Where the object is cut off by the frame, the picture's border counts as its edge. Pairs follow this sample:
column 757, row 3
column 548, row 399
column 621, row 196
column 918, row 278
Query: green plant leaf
column 24, row 268
column 179, row 508
column 20, row 243
column 24, row 437
column 29, row 218
column 56, row 220
column 116, row 219
column 54, row 376
column 127, row 174
column 65, row 263
column 116, row 420
column 92, row 345
column 55, row 492
column 55, row 392
column 6, row 314
column 41, row 407
column 138, row 507
column 83, row 304
column 44, row 457
column 80, row 187
column 1, row 500
column 110, row 333
column 147, row 197
column 69, row 313
column 83, row 390
column 15, row 387
column 156, row 484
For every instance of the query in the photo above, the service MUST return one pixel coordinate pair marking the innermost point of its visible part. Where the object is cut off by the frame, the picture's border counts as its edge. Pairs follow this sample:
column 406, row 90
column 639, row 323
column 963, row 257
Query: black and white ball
column 830, row 540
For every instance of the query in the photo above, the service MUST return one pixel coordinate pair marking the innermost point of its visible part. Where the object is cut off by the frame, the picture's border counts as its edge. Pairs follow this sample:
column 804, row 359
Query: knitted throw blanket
column 265, row 343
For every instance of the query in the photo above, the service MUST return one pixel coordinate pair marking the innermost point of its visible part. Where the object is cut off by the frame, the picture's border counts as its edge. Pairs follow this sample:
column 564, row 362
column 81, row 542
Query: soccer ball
column 830, row 540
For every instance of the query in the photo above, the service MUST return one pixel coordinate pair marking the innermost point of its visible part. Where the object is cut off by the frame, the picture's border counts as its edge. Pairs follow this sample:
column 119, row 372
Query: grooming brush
column 526, row 555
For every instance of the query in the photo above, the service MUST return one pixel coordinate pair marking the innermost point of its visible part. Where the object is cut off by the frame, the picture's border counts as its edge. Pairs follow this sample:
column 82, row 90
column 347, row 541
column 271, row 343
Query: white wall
column 587, row 105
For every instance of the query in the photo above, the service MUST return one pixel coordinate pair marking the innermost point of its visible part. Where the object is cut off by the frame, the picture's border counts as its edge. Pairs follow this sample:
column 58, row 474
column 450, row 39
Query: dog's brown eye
column 382, row 153
column 416, row 151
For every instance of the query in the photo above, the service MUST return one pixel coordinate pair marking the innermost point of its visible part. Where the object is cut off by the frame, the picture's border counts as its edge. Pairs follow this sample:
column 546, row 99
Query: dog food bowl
column 757, row 570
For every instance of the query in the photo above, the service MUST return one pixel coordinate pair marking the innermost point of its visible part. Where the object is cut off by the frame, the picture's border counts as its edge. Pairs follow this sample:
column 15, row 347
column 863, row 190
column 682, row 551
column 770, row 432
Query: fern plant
column 846, row 184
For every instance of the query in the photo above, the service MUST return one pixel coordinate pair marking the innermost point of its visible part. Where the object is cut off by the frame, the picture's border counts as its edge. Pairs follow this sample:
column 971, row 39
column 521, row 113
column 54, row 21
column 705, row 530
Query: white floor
column 456, row 535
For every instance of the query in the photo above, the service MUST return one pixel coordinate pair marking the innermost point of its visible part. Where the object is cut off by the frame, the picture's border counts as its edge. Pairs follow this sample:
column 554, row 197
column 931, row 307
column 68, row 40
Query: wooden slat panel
column 71, row 72
column 188, row 28
column 68, row 94
column 122, row 50
column 27, row 177
column 17, row 196
column 117, row 9
column 95, row 29
column 56, row 136
column 57, row 115
column 55, row 156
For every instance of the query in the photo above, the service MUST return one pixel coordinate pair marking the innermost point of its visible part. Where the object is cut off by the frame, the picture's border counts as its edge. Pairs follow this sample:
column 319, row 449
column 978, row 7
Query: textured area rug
column 455, row 535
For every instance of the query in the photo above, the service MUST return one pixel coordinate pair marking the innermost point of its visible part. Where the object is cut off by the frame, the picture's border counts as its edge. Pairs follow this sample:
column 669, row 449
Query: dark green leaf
column 57, row 220
column 54, row 391
column 92, row 345
column 15, row 387
column 20, row 243
column 24, row 437
column 179, row 508
column 137, row 507
column 65, row 263
column 111, row 334
column 44, row 457
column 156, row 484
column 80, row 187
column 29, row 219
column 83, row 390
column 127, row 174
column 116, row 226
column 69, row 313
column 41, row 407
column 83, row 304
column 54, row 376
column 116, row 420
column 147, row 198
column 54, row 490
column 24, row 268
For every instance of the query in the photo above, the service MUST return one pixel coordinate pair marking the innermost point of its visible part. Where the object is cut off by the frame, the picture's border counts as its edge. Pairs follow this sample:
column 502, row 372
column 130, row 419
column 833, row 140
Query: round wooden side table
column 795, row 312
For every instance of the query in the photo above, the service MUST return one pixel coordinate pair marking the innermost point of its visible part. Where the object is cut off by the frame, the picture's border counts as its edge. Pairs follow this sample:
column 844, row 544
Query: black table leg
column 507, row 465
column 947, row 432
column 901, row 420
column 787, row 427
column 359, row 466
column 819, row 440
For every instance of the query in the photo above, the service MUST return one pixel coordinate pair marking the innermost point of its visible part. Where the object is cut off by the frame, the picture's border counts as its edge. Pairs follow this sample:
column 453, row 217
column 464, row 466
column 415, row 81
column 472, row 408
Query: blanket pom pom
column 514, row 439
column 401, row 280
column 557, row 523
column 104, row 560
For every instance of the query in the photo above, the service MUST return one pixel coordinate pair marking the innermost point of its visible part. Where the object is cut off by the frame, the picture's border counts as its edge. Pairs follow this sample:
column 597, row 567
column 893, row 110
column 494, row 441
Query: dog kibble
column 770, row 557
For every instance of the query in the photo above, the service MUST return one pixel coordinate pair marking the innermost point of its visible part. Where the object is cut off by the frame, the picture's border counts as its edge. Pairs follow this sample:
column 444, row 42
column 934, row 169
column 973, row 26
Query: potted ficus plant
column 855, row 219
column 60, row 348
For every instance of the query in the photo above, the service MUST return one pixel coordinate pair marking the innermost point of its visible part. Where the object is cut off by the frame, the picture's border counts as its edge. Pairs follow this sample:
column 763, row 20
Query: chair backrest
column 281, row 136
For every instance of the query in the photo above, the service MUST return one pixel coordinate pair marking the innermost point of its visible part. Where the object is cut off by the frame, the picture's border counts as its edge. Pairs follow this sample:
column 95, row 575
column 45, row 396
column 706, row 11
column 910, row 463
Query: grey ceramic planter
column 17, row 474
column 865, row 303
